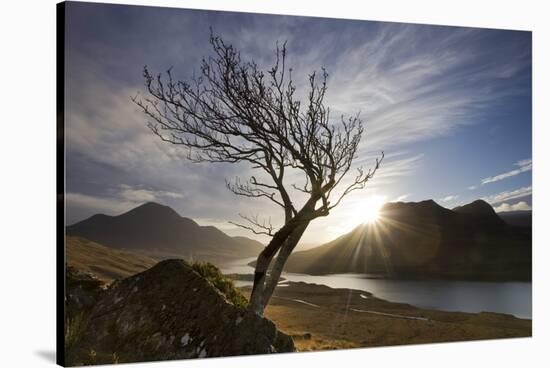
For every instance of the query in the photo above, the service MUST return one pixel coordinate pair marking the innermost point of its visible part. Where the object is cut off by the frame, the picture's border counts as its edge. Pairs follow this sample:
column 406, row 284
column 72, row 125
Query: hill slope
column 518, row 218
column 159, row 230
column 426, row 240
column 106, row 263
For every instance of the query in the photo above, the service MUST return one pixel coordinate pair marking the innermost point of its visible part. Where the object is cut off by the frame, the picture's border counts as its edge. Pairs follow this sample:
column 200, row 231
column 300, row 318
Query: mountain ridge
column 425, row 240
column 159, row 229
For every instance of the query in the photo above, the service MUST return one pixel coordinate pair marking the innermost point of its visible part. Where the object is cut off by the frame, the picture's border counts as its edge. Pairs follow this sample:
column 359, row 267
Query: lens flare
column 369, row 210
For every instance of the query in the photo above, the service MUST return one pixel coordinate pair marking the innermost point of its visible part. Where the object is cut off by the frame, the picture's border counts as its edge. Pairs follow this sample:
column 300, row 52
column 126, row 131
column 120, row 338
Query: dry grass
column 334, row 325
column 106, row 263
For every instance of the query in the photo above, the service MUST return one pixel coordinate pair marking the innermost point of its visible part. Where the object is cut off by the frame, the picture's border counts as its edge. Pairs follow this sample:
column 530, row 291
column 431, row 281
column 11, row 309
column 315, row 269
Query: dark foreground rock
column 171, row 312
column 83, row 290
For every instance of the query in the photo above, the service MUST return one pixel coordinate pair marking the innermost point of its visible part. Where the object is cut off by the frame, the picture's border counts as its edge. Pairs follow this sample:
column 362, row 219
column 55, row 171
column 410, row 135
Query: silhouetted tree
column 234, row 112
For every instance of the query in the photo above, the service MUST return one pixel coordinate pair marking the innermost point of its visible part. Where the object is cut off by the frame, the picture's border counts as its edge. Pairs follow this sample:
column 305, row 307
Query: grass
column 104, row 262
column 76, row 326
column 220, row 282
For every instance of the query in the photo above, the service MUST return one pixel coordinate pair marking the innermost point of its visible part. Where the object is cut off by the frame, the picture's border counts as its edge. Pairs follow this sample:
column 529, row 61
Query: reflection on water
column 464, row 296
column 238, row 266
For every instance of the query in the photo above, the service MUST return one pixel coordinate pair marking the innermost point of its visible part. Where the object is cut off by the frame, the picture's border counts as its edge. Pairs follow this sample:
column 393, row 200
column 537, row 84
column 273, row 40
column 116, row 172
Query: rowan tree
column 235, row 112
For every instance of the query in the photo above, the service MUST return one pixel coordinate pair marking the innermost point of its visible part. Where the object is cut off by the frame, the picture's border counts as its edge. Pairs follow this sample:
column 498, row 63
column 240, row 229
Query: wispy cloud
column 506, row 207
column 130, row 193
column 91, row 204
column 508, row 195
column 428, row 93
column 449, row 198
column 410, row 83
column 472, row 187
column 395, row 167
column 400, row 198
column 523, row 166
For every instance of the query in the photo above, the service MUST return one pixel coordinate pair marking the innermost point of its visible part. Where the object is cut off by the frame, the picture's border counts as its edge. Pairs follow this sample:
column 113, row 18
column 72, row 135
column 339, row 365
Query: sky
column 449, row 106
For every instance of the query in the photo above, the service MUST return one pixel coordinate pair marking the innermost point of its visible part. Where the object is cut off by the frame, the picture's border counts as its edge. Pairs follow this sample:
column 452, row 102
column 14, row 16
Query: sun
column 369, row 209
column 365, row 210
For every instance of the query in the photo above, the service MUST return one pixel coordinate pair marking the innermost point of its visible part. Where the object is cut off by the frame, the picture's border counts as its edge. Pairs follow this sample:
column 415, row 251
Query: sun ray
column 368, row 211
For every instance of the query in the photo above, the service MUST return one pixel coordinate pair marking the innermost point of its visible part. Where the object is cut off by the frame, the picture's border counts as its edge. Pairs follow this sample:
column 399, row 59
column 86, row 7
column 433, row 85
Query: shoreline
column 416, row 276
column 442, row 295
column 322, row 318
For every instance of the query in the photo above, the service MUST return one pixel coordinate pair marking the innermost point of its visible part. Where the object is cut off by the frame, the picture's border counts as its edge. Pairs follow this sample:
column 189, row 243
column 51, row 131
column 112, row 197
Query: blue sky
column 450, row 106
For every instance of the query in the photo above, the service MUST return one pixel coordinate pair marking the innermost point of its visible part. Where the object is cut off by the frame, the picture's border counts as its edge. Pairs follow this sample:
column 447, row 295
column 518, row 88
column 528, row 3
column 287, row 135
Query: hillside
column 105, row 263
column 423, row 239
column 518, row 218
column 159, row 231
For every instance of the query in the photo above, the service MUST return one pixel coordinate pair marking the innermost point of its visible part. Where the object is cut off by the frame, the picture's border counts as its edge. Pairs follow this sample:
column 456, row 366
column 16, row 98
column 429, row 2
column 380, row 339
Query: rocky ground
column 322, row 318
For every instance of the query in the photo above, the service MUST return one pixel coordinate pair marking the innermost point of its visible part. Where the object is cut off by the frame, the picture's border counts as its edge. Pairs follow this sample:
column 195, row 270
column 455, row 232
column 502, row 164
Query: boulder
column 83, row 290
column 171, row 312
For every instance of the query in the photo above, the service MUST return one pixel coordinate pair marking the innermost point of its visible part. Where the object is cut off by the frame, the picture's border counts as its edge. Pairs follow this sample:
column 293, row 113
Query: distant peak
column 152, row 205
column 478, row 207
column 480, row 202
column 154, row 208
column 428, row 203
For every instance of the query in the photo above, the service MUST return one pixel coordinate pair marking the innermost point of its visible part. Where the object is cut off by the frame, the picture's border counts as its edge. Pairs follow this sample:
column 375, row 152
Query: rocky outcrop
column 171, row 312
column 83, row 290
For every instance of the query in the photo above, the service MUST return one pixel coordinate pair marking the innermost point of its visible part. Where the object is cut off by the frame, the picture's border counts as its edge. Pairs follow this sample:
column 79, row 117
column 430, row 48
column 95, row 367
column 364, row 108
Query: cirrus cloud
column 508, row 195
column 523, row 166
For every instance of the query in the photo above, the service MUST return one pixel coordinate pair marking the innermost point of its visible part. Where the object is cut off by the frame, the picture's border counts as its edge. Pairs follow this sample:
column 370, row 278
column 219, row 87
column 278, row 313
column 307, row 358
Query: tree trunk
column 257, row 300
column 262, row 264
column 280, row 261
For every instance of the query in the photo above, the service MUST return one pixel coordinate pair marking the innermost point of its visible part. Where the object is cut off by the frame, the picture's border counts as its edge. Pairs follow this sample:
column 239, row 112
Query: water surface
column 448, row 295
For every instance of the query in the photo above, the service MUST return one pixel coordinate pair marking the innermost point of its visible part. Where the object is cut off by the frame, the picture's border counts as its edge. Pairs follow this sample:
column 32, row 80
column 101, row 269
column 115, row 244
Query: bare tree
column 234, row 112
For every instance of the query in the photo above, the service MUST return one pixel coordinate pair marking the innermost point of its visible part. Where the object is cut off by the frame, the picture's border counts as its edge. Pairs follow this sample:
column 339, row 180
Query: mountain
column 481, row 212
column 158, row 230
column 518, row 218
column 425, row 240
